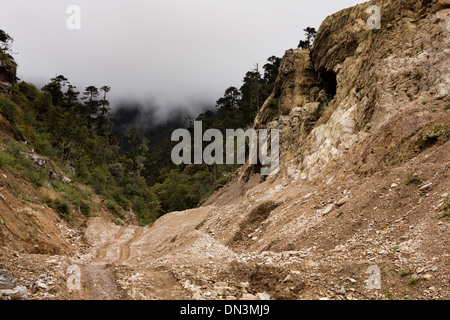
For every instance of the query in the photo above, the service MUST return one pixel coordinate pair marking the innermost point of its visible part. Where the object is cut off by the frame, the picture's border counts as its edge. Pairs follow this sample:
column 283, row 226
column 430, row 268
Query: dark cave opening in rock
column 329, row 83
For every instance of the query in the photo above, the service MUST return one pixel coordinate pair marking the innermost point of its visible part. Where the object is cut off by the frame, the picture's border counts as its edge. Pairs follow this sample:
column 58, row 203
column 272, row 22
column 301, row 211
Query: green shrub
column 114, row 206
column 445, row 209
column 273, row 103
column 5, row 159
column 37, row 177
column 414, row 279
column 86, row 208
column 430, row 137
column 27, row 90
column 117, row 170
column 8, row 60
column 10, row 110
column 98, row 179
column 43, row 145
column 145, row 212
column 221, row 182
column 404, row 273
column 394, row 248
column 13, row 157
column 413, row 180
column 63, row 208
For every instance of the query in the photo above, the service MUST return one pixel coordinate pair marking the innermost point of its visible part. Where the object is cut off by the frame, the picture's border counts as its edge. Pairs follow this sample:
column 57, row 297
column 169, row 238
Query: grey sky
column 172, row 51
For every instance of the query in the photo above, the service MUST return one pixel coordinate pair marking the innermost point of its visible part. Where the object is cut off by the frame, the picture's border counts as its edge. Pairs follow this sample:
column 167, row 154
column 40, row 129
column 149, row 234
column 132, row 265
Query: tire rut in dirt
column 125, row 249
column 102, row 252
column 100, row 283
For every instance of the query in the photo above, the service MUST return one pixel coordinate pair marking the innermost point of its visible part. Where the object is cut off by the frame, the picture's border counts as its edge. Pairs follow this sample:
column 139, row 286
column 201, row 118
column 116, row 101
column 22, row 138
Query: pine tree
column 310, row 34
column 54, row 89
column 91, row 106
column 104, row 113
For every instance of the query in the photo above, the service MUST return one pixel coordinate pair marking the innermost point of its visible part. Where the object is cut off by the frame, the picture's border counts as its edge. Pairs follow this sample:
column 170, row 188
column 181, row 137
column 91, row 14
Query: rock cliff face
column 349, row 103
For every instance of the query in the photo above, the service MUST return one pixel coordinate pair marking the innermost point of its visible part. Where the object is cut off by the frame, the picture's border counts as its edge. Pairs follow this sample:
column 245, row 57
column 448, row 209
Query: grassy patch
column 86, row 208
column 432, row 136
column 14, row 158
column 418, row 75
column 389, row 295
column 63, row 208
column 27, row 198
column 445, row 209
column 115, row 207
column 429, row 138
column 413, row 180
column 404, row 273
column 414, row 279
column 394, row 248
column 80, row 197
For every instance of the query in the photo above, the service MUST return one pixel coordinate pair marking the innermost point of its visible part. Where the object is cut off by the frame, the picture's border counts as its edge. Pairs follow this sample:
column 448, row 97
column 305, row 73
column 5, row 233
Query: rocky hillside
column 360, row 99
column 363, row 183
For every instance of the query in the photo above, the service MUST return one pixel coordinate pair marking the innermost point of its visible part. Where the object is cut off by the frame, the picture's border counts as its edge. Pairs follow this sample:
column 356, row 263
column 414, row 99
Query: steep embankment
column 363, row 182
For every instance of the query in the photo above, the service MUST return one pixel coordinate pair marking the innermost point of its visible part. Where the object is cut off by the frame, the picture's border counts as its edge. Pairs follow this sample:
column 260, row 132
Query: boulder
column 264, row 296
column 18, row 293
column 7, row 280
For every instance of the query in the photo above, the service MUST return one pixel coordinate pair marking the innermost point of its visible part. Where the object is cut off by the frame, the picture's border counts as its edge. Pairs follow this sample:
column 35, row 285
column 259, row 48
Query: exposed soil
column 100, row 283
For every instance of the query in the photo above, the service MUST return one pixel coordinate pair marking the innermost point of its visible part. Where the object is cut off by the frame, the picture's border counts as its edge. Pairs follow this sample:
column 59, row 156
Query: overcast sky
column 171, row 51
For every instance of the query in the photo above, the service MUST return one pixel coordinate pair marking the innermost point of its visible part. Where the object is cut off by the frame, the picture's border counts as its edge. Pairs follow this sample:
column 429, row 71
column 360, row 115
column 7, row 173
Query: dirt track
column 100, row 283
column 101, row 265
